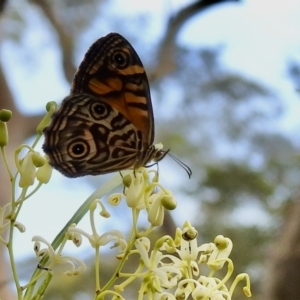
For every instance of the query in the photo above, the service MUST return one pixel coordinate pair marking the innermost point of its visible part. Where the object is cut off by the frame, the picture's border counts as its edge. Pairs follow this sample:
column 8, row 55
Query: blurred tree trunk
column 282, row 278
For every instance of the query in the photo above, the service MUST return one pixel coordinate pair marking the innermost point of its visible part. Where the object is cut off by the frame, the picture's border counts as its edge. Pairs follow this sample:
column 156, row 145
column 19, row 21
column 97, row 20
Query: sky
column 258, row 38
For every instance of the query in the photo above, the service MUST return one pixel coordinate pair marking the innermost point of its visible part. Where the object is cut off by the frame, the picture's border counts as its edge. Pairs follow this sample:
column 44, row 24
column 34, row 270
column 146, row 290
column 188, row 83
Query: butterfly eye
column 120, row 59
column 78, row 149
column 99, row 110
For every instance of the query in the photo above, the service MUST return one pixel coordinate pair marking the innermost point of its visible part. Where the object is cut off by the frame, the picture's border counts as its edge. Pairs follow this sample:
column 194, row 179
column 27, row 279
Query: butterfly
column 106, row 124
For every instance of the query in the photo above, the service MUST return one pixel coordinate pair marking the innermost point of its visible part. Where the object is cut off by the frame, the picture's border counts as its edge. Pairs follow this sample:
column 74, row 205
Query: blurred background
column 224, row 77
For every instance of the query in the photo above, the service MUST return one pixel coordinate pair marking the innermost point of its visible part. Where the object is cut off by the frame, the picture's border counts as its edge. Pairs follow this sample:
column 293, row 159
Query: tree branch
column 166, row 61
column 3, row 4
column 66, row 40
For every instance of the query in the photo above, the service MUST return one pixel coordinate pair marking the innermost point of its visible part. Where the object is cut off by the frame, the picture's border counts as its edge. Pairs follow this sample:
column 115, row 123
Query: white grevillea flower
column 222, row 250
column 55, row 258
column 158, row 275
column 94, row 238
column 97, row 240
column 135, row 192
column 158, row 202
column 187, row 252
column 193, row 286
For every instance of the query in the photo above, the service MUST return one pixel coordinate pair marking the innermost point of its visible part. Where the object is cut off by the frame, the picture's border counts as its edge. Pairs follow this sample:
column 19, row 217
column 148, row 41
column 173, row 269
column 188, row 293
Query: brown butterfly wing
column 106, row 123
column 89, row 137
column 112, row 70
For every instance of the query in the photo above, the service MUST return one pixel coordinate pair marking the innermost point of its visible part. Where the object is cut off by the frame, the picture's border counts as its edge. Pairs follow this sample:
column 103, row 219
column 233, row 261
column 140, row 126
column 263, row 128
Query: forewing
column 112, row 71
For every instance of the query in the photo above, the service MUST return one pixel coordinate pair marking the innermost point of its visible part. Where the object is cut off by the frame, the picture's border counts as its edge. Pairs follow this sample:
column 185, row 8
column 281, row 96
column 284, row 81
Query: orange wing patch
column 102, row 88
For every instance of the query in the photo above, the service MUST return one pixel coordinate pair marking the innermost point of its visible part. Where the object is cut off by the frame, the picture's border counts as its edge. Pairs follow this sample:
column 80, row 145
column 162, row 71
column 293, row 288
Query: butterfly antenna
column 183, row 165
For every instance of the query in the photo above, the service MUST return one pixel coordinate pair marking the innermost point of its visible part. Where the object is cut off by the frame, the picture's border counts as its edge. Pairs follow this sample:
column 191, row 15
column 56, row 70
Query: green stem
column 82, row 210
column 14, row 214
column 34, row 191
column 42, row 287
column 6, row 163
column 38, row 137
column 97, row 270
column 121, row 264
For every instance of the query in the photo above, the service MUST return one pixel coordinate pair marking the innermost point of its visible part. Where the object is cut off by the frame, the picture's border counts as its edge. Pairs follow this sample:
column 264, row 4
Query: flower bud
column 168, row 202
column 220, row 253
column 38, row 160
column 156, row 212
column 27, row 171
column 43, row 174
column 221, row 242
column 3, row 134
column 127, row 180
column 51, row 108
column 135, row 192
column 5, row 115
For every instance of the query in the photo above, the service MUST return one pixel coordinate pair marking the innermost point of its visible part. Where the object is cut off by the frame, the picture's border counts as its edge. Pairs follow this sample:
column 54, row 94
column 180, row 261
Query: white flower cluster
column 171, row 270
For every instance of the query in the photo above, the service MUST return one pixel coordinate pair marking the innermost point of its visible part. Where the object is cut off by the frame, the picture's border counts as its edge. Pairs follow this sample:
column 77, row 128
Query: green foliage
column 236, row 183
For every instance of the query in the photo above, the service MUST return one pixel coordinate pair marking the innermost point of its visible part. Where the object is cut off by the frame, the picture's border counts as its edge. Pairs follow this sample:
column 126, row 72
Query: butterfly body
column 106, row 123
